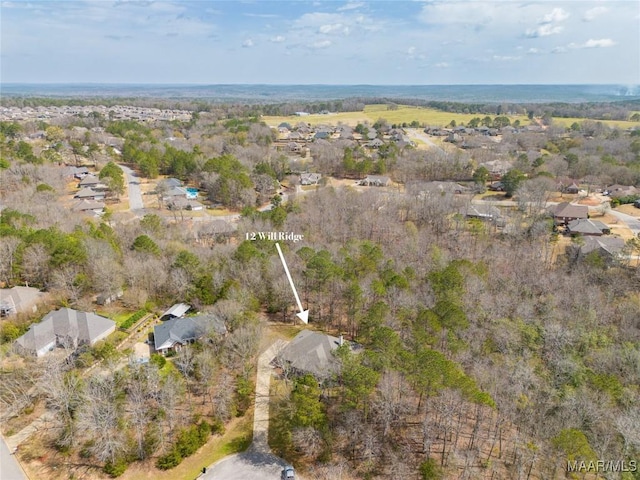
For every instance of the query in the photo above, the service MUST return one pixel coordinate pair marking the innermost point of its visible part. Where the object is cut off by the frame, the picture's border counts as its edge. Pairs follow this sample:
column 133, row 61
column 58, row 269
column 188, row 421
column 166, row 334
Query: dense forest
column 484, row 354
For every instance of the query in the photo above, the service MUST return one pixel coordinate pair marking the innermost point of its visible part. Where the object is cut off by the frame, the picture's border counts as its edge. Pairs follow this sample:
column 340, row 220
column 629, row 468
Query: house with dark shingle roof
column 566, row 212
column 90, row 194
column 67, row 328
column 173, row 334
column 588, row 227
column 610, row 249
column 311, row 352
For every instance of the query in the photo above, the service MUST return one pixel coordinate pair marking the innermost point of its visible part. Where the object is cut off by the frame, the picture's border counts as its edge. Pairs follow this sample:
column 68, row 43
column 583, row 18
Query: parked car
column 288, row 473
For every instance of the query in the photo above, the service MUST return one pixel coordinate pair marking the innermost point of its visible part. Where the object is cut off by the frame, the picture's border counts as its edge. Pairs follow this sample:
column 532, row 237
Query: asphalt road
column 135, row 194
column 10, row 469
column 249, row 465
column 632, row 222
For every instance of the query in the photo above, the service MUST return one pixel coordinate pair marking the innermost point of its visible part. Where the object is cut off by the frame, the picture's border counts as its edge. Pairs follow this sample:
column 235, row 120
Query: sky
column 435, row 42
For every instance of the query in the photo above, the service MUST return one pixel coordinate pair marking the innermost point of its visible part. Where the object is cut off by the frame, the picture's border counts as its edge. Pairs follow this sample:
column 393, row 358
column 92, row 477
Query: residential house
column 86, row 205
column 90, row 194
column 176, row 311
column 497, row 168
column 566, row 212
column 295, row 136
column 587, row 227
column 322, row 135
column 311, row 352
column 375, row 143
column 610, row 249
column 573, row 188
column 376, row 181
column 482, row 212
column 64, row 327
column 177, row 192
column 89, row 181
column 169, row 183
column 293, row 147
column 618, row 191
column 19, row 300
column 175, row 333
column 310, row 178
column 180, row 203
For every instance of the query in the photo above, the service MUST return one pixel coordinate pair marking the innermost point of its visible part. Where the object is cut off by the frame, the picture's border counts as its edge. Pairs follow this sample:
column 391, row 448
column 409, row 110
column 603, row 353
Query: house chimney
column 340, row 340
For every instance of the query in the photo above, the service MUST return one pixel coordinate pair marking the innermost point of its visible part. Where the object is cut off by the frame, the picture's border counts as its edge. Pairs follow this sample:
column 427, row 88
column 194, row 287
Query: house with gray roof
column 170, row 183
column 587, row 227
column 376, row 181
column 89, row 181
column 86, row 205
column 19, row 300
column 173, row 334
column 66, row 328
column 311, row 352
column 482, row 212
column 610, row 249
column 310, row 178
column 89, row 194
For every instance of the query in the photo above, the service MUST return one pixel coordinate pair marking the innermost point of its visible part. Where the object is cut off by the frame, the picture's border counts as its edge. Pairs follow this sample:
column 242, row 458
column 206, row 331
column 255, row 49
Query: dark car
column 288, row 473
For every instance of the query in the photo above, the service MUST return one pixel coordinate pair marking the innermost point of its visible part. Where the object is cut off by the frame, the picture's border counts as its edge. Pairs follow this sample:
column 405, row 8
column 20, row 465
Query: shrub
column 158, row 360
column 131, row 321
column 115, row 469
column 170, row 460
column 429, row 470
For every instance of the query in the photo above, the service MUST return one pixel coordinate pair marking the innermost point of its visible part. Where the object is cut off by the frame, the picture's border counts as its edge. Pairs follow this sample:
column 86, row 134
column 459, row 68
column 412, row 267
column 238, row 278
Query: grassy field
column 407, row 114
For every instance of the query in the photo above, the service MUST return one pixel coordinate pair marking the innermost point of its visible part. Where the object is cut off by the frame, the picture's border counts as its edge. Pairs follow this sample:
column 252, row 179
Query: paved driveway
column 10, row 469
column 632, row 222
column 257, row 463
column 249, row 465
column 135, row 194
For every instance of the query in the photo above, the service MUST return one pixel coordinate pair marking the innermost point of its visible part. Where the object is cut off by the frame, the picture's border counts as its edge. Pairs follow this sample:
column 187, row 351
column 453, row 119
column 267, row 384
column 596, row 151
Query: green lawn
column 117, row 316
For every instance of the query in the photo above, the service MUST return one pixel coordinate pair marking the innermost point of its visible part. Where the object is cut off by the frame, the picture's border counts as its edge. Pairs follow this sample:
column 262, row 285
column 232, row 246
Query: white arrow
column 304, row 314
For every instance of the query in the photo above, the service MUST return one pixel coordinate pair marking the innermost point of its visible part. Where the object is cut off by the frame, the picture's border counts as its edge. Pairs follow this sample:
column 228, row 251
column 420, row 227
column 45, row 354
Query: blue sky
column 325, row 42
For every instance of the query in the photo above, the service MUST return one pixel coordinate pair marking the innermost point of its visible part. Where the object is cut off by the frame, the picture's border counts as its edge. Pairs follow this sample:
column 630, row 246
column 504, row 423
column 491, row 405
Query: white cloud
column 331, row 28
column 277, row 39
column 594, row 13
column 411, row 50
column 548, row 24
column 559, row 50
column 506, row 58
column 591, row 43
column 556, row 15
column 351, row 6
column 533, row 51
column 321, row 44
column 443, row 65
column 544, row 30
column 261, row 15
column 248, row 43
